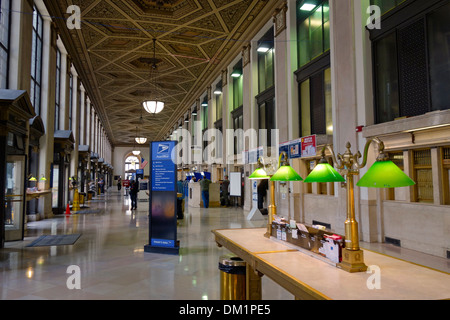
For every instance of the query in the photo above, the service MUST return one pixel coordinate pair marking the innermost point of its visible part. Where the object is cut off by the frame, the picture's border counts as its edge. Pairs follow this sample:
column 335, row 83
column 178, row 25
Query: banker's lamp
column 284, row 173
column 383, row 174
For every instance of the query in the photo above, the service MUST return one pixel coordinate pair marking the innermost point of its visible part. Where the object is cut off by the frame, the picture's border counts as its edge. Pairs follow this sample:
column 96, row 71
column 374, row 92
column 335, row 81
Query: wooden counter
column 308, row 277
column 37, row 194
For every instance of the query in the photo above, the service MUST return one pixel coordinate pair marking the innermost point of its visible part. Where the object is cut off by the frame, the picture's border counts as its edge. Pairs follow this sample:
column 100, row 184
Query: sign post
column 163, row 199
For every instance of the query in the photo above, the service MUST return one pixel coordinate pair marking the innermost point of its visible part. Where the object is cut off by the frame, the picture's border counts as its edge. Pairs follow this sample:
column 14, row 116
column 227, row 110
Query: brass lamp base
column 268, row 233
column 353, row 261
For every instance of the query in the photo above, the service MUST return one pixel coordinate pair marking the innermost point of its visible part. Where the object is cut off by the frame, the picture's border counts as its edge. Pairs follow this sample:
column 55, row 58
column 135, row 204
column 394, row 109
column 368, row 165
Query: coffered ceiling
column 113, row 52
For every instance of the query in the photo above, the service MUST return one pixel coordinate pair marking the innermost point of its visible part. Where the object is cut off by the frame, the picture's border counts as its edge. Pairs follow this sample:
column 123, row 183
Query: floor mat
column 92, row 211
column 55, row 240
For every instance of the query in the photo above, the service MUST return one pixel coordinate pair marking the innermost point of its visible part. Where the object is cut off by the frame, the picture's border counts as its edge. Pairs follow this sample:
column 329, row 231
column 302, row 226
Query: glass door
column 15, row 198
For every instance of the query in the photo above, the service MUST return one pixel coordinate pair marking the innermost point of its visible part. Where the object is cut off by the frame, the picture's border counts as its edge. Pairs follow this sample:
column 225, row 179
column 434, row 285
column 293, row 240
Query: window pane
column 387, row 79
column 439, row 55
column 262, row 116
column 305, row 108
column 328, row 102
column 317, row 104
column 304, row 43
column 326, row 26
column 3, row 68
column 316, row 34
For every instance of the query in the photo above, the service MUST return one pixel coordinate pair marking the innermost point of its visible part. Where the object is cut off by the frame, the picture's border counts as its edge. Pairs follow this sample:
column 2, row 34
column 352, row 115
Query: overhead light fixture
column 236, row 73
column 218, row 91
column 194, row 113
column 154, row 105
column 264, row 46
column 141, row 140
column 308, row 7
column 135, row 151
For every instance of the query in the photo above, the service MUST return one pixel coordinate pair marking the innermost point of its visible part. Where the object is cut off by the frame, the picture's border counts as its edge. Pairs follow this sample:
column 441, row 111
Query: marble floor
column 113, row 265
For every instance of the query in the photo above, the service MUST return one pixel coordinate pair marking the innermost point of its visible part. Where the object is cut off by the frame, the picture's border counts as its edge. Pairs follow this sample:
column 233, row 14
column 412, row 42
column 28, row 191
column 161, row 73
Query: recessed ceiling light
column 308, row 7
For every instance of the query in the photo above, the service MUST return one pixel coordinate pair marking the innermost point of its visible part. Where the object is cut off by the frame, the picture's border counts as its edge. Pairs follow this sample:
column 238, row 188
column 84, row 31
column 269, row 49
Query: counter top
column 308, row 277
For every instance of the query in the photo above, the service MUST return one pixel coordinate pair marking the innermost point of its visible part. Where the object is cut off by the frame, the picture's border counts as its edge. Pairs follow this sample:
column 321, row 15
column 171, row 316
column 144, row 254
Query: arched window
column 132, row 163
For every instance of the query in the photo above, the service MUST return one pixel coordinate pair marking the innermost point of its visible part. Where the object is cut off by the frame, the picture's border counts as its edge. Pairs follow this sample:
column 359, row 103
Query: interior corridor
column 112, row 262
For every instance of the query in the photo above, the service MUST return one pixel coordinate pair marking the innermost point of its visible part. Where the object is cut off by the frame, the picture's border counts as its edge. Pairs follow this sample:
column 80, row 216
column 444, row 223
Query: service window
column 423, row 176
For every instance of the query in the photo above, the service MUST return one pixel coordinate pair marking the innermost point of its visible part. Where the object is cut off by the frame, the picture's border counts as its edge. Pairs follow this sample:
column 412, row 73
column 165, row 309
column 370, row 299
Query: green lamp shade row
column 286, row 173
column 385, row 174
column 259, row 174
column 324, row 172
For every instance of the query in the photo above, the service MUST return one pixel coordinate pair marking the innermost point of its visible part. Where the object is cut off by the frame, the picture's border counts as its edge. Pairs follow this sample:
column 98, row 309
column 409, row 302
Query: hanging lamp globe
column 153, row 106
column 141, row 140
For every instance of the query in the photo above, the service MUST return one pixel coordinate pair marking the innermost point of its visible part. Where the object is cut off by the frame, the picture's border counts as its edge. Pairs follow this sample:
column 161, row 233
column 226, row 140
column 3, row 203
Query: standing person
column 180, row 187
column 134, row 189
column 225, row 186
column 119, row 183
column 101, row 183
column 262, row 192
column 204, row 187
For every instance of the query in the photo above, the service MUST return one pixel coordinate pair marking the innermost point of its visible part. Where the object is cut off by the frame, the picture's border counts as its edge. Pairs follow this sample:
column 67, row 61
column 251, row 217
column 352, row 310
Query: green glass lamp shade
column 324, row 172
column 385, row 174
column 286, row 173
column 259, row 174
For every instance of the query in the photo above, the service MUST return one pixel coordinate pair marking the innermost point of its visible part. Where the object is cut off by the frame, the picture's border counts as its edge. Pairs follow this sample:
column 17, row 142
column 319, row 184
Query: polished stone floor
column 113, row 265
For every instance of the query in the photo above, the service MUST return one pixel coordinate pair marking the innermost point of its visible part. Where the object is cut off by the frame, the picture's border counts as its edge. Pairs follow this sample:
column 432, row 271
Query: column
column 282, row 80
column 248, row 116
column 47, row 111
column 63, row 90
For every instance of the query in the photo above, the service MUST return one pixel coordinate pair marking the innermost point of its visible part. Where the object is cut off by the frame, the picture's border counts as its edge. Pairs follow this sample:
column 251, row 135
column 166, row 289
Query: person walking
column 262, row 192
column 225, row 186
column 134, row 189
column 119, row 184
column 204, row 187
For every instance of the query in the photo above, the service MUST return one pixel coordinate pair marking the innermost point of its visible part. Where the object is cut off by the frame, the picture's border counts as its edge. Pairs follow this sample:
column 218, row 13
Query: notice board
column 163, row 199
column 235, row 184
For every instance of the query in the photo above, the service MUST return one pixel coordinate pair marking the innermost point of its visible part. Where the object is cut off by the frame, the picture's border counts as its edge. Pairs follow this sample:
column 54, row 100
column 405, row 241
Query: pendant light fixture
column 135, row 151
column 139, row 138
column 153, row 105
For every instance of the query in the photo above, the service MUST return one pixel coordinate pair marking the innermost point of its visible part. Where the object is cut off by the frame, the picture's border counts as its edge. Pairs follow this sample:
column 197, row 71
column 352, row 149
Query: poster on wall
column 295, row 149
column 308, row 146
column 162, row 199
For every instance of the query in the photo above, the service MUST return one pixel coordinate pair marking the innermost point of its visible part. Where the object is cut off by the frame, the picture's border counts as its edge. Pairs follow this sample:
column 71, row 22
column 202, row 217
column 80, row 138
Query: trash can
column 232, row 278
column 82, row 196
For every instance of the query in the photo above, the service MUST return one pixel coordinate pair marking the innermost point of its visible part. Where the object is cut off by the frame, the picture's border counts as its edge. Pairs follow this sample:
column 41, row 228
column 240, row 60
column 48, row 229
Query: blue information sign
column 163, row 176
column 163, row 199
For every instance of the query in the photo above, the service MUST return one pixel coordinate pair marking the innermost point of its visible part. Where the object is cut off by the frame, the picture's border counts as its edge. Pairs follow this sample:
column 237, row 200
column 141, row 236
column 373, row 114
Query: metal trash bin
column 82, row 196
column 232, row 278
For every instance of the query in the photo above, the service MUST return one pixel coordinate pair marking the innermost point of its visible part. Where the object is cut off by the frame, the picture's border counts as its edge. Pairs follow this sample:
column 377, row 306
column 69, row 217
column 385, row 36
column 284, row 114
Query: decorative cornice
column 279, row 19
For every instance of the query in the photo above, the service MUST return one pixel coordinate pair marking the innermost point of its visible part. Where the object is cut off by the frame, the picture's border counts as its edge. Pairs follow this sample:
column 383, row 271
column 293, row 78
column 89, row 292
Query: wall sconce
column 383, row 174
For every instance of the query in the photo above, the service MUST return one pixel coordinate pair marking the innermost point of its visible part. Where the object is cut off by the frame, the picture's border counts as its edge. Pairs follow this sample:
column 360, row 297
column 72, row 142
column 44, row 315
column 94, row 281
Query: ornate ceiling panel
column 114, row 49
